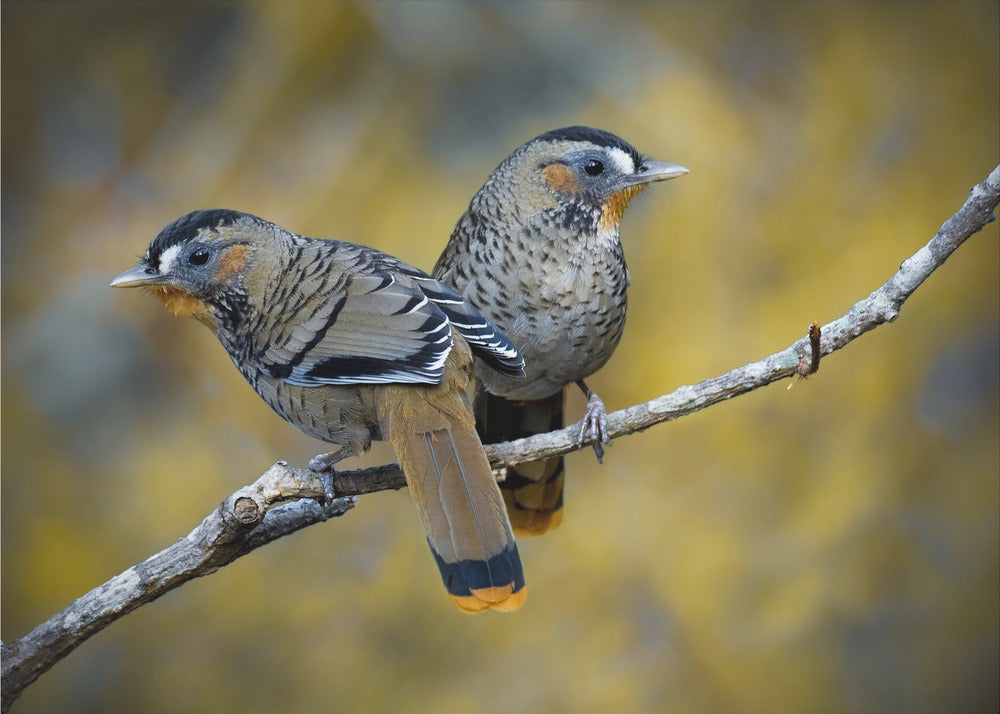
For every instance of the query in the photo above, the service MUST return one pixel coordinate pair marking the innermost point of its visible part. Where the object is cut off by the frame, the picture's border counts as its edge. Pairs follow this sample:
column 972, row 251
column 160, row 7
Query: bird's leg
column 322, row 464
column 594, row 425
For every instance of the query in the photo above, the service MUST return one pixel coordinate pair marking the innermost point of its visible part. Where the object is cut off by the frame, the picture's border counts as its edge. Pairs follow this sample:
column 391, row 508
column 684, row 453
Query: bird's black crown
column 597, row 137
column 187, row 227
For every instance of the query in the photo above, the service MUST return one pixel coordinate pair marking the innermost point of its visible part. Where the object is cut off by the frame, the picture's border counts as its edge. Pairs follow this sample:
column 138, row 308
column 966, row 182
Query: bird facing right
column 538, row 252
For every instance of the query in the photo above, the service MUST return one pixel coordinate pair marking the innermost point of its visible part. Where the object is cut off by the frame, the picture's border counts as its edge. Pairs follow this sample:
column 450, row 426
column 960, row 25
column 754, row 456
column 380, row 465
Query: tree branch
column 284, row 499
column 879, row 307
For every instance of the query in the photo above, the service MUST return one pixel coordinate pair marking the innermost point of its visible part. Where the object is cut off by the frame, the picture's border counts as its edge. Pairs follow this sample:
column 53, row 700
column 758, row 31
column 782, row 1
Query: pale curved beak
column 651, row 171
column 137, row 277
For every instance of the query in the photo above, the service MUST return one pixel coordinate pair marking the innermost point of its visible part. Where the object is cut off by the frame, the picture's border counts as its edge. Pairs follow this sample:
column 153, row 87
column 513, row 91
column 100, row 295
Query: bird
column 538, row 252
column 352, row 345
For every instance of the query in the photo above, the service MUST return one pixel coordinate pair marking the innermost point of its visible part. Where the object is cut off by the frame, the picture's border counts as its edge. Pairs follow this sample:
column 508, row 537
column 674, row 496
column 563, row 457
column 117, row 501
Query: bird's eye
column 199, row 257
column 593, row 167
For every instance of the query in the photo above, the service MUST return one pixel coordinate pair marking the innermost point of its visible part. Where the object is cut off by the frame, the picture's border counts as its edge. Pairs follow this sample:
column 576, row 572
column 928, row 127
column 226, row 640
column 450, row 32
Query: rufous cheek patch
column 233, row 261
column 559, row 177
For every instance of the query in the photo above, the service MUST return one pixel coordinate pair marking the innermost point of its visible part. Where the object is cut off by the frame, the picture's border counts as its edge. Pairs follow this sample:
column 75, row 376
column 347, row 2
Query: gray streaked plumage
column 538, row 252
column 352, row 345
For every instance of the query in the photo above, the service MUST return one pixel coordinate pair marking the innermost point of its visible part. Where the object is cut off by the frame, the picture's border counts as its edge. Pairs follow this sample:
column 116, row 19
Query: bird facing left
column 352, row 345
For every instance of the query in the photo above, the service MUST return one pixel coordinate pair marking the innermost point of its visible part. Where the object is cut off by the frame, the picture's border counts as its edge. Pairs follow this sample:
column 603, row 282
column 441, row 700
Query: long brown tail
column 533, row 492
column 460, row 506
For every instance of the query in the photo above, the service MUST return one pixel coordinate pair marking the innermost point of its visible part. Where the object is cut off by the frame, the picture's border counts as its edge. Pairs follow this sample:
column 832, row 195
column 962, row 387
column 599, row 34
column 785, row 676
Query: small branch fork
column 284, row 499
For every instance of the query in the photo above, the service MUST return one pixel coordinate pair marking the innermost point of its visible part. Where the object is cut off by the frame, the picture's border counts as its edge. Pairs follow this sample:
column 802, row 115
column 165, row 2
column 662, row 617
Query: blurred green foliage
column 829, row 548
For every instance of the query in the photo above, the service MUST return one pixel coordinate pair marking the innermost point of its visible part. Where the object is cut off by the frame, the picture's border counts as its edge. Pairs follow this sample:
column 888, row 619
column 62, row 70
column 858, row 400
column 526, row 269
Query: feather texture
column 458, row 501
column 352, row 345
column 357, row 316
column 532, row 491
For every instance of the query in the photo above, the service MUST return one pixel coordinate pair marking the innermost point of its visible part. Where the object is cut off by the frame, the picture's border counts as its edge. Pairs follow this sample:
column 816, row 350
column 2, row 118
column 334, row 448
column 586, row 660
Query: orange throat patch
column 614, row 207
column 183, row 303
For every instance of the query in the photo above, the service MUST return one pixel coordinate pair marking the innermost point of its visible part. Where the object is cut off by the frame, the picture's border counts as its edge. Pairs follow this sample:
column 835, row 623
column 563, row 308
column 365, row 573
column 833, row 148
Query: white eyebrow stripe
column 622, row 160
column 167, row 258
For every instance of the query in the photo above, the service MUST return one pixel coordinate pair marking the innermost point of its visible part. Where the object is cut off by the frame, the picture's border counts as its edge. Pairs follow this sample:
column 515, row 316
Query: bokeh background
column 833, row 548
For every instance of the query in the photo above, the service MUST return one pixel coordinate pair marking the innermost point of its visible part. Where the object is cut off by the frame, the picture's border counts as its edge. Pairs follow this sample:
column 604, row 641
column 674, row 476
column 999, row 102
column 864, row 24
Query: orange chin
column 183, row 303
column 615, row 206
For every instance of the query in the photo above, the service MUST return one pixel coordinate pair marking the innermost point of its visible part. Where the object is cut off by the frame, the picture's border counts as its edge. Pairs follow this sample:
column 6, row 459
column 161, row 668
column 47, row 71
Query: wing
column 486, row 340
column 347, row 321
column 357, row 315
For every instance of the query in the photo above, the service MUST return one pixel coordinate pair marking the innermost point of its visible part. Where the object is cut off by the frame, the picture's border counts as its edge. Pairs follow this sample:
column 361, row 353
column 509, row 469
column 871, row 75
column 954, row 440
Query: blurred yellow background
column 833, row 548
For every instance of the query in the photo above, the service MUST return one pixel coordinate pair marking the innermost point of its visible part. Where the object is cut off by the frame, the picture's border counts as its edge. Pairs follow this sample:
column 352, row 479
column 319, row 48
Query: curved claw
column 323, row 465
column 594, row 427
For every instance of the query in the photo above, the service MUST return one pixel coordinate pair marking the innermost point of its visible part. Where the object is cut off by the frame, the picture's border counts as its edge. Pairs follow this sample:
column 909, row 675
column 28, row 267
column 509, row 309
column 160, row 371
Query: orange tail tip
column 473, row 584
column 498, row 599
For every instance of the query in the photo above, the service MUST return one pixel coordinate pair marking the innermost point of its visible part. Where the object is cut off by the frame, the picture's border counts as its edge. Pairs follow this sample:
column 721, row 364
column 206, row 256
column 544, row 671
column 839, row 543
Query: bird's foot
column 323, row 466
column 594, row 427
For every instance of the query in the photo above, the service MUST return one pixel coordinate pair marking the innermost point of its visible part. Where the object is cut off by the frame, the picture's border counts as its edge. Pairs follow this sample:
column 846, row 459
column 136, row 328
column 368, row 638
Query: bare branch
column 247, row 519
column 880, row 307
column 284, row 499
